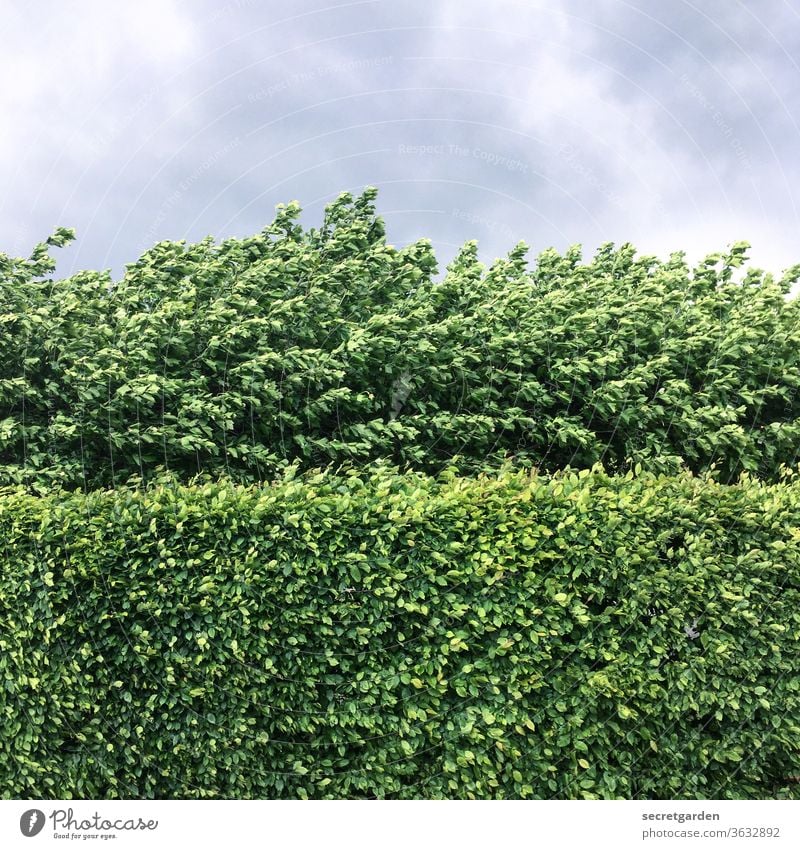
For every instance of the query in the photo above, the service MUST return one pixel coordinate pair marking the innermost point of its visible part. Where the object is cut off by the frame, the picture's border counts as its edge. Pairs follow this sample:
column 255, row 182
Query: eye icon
column 31, row 822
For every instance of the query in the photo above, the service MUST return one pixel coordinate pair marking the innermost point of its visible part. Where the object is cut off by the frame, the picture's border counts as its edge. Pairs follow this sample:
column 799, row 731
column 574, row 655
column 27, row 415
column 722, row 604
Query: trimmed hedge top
column 388, row 635
column 329, row 346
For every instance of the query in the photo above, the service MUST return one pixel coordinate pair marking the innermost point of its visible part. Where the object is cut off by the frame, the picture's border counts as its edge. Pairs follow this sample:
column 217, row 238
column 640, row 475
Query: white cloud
column 112, row 105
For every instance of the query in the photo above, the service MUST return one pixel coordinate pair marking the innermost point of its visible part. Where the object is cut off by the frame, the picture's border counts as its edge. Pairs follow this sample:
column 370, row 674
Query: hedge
column 392, row 635
column 329, row 345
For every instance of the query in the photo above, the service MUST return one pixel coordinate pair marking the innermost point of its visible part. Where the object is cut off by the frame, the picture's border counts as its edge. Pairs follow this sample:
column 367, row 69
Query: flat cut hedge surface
column 401, row 636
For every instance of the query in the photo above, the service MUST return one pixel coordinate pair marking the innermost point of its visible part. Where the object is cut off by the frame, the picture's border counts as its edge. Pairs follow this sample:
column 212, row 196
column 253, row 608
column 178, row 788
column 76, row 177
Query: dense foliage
column 398, row 635
column 332, row 540
column 330, row 346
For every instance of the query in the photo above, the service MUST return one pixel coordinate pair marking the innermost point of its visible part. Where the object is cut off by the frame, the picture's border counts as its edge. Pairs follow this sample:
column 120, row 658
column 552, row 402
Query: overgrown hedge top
column 329, row 345
column 400, row 636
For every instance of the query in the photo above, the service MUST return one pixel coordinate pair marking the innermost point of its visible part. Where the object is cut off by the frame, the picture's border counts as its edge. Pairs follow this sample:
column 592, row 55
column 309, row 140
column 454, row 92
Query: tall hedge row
column 397, row 635
column 329, row 345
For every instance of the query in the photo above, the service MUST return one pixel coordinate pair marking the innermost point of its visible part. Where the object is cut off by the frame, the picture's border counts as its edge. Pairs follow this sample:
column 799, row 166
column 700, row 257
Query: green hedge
column 394, row 635
column 329, row 345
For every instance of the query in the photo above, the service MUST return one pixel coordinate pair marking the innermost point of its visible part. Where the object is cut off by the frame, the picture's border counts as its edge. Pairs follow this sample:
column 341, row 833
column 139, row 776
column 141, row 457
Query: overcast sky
column 672, row 125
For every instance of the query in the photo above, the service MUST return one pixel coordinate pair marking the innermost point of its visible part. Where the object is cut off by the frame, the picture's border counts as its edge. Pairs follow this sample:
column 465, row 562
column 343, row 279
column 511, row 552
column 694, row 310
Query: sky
column 671, row 125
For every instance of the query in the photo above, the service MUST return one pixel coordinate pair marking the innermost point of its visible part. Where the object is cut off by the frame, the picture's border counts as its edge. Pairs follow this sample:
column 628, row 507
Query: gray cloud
column 672, row 126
